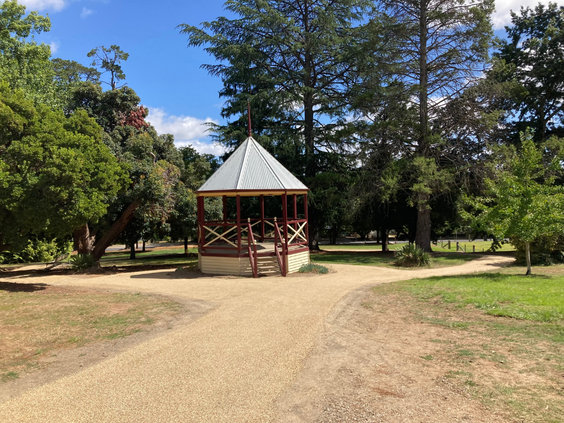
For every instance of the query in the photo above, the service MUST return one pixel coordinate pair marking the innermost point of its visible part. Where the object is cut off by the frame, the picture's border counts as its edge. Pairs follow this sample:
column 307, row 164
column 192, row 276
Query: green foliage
column 313, row 268
column 530, row 65
column 37, row 251
column 81, row 262
column 109, row 60
column 55, row 172
column 411, row 255
column 545, row 250
column 522, row 200
column 24, row 64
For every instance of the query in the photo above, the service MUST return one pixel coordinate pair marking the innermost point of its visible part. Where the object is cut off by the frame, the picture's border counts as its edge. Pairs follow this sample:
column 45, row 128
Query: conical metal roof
column 252, row 168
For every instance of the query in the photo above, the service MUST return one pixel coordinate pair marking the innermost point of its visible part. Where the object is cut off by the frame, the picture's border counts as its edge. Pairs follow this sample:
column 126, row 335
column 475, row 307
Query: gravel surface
column 230, row 365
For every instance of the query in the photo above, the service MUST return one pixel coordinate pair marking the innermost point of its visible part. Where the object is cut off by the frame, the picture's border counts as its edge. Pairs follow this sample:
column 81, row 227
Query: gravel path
column 228, row 366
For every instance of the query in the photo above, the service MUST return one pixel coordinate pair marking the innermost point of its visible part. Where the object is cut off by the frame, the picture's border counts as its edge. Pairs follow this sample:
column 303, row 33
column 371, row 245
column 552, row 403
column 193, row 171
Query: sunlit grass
column 376, row 258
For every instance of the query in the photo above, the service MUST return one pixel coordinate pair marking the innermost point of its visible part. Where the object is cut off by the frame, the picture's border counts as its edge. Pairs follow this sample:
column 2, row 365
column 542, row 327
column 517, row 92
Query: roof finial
column 249, row 115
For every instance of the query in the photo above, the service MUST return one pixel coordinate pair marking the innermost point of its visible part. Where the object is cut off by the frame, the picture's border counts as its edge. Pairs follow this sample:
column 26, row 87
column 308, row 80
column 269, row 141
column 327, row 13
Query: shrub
column 82, row 261
column 37, row 250
column 410, row 255
column 545, row 250
column 313, row 268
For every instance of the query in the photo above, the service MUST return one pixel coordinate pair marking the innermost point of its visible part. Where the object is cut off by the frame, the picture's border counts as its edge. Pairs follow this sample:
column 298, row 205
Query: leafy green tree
column 71, row 72
column 154, row 166
column 24, row 64
column 55, row 172
column 197, row 167
column 532, row 59
column 294, row 62
column 522, row 201
column 109, row 60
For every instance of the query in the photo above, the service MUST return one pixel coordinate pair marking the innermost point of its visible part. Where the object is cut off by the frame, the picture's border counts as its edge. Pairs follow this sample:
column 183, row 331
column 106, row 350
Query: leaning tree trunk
column 117, row 228
column 83, row 241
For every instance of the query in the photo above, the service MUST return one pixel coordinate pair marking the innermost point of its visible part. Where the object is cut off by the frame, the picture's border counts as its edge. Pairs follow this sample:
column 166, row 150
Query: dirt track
column 230, row 365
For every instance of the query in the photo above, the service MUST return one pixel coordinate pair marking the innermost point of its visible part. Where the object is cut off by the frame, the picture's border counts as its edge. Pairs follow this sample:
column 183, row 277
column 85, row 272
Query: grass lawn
column 499, row 337
column 377, row 258
column 161, row 257
column 439, row 247
column 37, row 320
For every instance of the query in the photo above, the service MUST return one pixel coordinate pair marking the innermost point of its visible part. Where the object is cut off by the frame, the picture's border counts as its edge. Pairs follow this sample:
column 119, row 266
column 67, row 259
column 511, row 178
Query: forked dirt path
column 230, row 365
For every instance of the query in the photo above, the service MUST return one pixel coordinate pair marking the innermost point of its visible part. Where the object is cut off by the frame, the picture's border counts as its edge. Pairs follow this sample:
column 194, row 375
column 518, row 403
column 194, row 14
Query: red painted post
column 285, row 223
column 262, row 218
column 295, row 211
column 306, row 218
column 239, row 223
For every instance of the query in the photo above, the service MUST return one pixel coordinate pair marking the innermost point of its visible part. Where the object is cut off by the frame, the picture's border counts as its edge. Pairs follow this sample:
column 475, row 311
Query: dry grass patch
column 36, row 320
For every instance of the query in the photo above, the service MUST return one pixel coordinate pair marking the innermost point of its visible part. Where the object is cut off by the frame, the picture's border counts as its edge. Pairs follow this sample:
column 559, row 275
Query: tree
column 24, row 64
column 71, row 72
column 443, row 48
column 294, row 61
column 522, row 201
column 109, row 59
column 532, row 58
column 153, row 162
column 55, row 172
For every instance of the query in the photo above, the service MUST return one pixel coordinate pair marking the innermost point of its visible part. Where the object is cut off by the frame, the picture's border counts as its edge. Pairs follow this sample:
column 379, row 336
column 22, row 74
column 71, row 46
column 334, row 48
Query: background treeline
column 395, row 113
column 78, row 162
column 399, row 115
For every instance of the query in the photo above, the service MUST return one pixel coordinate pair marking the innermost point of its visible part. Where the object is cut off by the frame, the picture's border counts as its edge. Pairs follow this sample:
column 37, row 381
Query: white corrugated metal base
column 241, row 266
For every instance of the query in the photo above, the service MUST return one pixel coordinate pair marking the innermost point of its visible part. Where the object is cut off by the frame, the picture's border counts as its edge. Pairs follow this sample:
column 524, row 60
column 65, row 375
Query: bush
column 545, row 250
column 82, row 261
column 313, row 268
column 37, row 251
column 410, row 255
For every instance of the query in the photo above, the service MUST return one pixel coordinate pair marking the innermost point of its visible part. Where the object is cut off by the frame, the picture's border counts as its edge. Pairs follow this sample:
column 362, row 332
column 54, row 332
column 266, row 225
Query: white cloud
column 502, row 16
column 54, row 46
column 86, row 12
column 203, row 147
column 186, row 130
column 44, row 4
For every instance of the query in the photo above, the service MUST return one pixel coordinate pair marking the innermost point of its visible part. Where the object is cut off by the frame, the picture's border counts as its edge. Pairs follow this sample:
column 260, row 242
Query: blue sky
column 161, row 69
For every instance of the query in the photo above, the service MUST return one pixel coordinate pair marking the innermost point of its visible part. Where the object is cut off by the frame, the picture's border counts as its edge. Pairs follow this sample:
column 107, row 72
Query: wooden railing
column 252, row 248
column 224, row 235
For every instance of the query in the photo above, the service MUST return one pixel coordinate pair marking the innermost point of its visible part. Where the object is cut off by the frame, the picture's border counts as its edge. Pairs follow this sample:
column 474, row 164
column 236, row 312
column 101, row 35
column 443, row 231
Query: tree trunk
column 143, row 246
column 423, row 231
column 528, row 257
column 186, row 245
column 384, row 232
column 313, row 229
column 83, row 241
column 117, row 228
column 132, row 251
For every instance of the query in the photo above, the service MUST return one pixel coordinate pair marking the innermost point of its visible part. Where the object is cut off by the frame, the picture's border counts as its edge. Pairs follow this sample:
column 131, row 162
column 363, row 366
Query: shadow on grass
column 22, row 287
